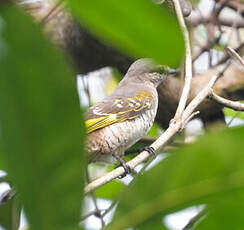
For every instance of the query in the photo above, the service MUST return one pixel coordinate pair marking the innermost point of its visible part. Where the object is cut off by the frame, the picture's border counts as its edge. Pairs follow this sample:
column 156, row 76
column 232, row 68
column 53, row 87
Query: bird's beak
column 173, row 71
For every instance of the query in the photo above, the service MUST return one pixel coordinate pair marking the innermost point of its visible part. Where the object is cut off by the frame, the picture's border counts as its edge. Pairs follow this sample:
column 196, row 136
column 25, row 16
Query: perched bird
column 124, row 117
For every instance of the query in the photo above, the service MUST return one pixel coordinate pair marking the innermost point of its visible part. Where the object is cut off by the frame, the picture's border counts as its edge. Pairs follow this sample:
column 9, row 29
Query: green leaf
column 2, row 164
column 111, row 190
column 41, row 124
column 232, row 113
column 196, row 174
column 155, row 223
column 10, row 211
column 4, row 178
column 155, row 131
column 225, row 213
column 139, row 28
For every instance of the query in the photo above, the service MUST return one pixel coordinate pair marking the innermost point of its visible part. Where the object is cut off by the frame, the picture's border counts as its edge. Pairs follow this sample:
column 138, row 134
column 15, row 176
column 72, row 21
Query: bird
column 121, row 119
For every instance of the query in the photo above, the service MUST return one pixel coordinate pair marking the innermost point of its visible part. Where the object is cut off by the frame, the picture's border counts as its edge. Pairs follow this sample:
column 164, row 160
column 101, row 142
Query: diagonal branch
column 232, row 53
column 174, row 128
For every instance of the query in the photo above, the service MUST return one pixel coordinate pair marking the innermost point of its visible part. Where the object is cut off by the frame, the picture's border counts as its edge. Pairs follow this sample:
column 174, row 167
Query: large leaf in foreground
column 139, row 27
column 225, row 213
column 41, row 124
column 206, row 172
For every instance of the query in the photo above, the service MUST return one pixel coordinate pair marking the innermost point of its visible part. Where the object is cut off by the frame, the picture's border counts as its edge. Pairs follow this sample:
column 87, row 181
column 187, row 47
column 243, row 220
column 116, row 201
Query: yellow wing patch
column 129, row 108
column 97, row 123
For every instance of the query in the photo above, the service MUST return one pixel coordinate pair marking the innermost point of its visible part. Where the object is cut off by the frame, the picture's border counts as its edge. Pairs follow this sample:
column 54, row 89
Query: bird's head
column 146, row 70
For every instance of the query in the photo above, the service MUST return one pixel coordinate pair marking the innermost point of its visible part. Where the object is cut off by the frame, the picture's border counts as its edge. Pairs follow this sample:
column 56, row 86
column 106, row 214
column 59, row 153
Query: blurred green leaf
column 10, row 211
column 196, row 174
column 219, row 47
column 2, row 165
column 139, row 27
column 111, row 190
column 155, row 223
column 41, row 124
column 232, row 113
column 225, row 213
column 3, row 178
column 155, row 131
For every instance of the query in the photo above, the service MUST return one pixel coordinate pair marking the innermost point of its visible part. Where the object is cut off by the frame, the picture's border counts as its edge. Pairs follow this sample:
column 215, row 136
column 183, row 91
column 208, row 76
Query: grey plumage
column 124, row 117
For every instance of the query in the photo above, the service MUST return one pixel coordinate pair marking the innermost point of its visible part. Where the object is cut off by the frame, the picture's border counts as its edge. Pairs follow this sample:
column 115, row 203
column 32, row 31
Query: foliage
column 137, row 27
column 41, row 125
column 42, row 129
column 233, row 114
column 210, row 172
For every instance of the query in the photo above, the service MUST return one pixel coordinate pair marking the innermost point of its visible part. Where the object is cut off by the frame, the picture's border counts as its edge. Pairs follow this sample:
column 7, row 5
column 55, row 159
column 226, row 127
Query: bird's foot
column 122, row 162
column 150, row 150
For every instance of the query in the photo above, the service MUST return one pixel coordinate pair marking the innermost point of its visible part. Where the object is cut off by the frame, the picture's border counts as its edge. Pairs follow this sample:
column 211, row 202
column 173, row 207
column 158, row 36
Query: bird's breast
column 116, row 138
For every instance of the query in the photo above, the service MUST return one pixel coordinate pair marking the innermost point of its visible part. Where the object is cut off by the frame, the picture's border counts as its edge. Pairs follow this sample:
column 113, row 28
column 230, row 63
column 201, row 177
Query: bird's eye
column 162, row 69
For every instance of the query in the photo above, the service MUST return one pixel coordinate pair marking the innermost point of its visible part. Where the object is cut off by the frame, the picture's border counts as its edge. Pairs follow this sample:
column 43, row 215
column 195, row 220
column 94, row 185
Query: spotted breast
column 129, row 120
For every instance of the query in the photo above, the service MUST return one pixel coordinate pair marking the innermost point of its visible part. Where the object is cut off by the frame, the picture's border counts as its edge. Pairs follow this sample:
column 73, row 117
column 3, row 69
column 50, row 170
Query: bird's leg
column 150, row 150
column 122, row 162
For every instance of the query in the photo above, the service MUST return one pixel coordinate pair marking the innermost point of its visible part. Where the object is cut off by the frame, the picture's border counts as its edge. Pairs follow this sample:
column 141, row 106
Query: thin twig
column 235, row 55
column 233, row 118
column 188, row 62
column 199, row 98
column 220, row 8
column 227, row 56
column 235, row 105
column 203, row 93
column 94, row 212
column 190, row 118
column 210, row 44
column 110, row 208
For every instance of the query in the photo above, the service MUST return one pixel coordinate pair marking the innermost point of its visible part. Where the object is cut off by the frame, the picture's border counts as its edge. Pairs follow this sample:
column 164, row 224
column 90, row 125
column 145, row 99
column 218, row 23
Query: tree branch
column 188, row 62
column 227, row 103
column 175, row 127
column 234, row 55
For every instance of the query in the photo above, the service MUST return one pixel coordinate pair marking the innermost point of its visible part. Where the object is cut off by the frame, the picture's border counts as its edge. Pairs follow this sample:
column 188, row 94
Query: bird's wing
column 117, row 109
